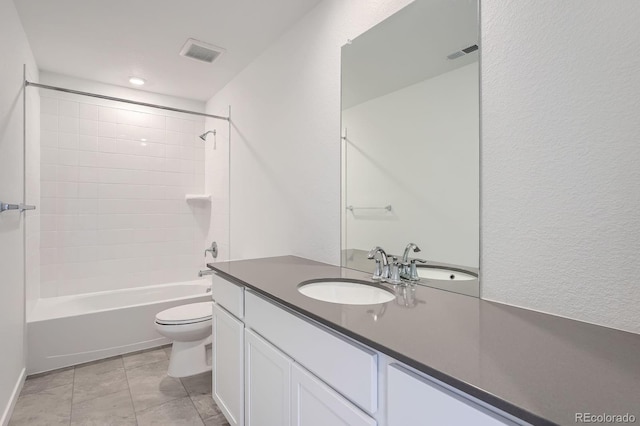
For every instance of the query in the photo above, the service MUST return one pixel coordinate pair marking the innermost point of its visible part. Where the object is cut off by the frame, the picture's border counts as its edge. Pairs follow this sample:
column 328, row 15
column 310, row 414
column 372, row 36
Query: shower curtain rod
column 111, row 98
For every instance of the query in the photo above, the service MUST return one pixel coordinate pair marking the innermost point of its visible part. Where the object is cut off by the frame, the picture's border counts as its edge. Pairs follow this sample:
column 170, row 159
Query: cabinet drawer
column 348, row 368
column 416, row 400
column 228, row 295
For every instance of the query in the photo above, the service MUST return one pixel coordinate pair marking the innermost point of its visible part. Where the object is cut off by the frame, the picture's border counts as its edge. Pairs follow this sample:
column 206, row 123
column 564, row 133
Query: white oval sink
column 444, row 274
column 346, row 292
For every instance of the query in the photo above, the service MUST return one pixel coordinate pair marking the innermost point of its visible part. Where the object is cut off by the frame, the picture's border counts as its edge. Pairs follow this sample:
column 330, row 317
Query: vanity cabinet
column 227, row 350
column 413, row 399
column 274, row 367
column 267, row 386
column 316, row 404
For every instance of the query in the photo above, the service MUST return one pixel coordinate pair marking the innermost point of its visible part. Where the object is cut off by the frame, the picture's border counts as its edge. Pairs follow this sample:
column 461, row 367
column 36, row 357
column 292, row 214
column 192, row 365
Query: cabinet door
column 316, row 404
column 267, row 383
column 416, row 401
column 227, row 363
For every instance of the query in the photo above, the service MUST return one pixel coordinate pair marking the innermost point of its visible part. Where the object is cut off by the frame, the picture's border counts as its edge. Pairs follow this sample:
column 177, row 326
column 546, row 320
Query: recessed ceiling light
column 143, row 140
column 137, row 81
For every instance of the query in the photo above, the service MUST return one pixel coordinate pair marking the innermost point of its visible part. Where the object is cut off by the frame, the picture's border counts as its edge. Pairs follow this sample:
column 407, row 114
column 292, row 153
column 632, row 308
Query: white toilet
column 189, row 326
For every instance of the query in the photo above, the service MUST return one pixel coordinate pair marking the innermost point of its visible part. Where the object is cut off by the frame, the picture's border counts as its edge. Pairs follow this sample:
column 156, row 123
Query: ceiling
column 408, row 47
column 110, row 41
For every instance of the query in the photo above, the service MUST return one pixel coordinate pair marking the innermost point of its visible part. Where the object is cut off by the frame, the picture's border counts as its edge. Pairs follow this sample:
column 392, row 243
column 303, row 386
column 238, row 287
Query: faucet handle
column 413, row 269
column 377, row 273
column 394, row 272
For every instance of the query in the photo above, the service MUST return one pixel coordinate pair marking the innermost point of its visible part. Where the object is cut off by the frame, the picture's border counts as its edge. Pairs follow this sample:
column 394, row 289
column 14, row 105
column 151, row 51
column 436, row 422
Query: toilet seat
column 186, row 314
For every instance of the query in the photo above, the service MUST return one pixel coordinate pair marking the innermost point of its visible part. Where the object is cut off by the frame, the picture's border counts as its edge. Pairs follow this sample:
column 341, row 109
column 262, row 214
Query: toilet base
column 189, row 358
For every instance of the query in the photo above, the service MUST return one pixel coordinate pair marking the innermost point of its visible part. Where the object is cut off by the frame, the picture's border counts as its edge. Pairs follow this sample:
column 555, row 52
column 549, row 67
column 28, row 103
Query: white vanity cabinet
column 274, row 367
column 414, row 400
column 267, row 386
column 228, row 350
column 316, row 404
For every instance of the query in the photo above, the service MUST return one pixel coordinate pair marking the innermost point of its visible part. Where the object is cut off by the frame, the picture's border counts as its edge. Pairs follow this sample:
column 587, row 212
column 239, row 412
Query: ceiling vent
column 201, row 51
column 460, row 53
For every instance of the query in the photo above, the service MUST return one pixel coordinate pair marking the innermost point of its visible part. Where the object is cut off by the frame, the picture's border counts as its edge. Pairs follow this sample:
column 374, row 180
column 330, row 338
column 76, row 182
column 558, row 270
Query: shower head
column 204, row 135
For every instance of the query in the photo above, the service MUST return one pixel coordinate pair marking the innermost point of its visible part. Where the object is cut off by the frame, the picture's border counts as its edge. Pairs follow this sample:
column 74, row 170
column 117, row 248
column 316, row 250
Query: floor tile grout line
column 135, row 413
column 194, row 405
column 73, row 390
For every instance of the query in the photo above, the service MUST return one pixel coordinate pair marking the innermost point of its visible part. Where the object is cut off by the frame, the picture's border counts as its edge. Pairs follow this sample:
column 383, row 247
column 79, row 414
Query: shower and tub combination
column 120, row 234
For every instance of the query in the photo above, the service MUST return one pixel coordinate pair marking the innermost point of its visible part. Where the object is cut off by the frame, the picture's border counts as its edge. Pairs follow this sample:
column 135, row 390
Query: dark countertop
column 538, row 367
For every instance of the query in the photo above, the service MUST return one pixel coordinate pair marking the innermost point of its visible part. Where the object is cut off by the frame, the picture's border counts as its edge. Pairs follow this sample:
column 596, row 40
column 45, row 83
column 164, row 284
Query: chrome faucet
column 381, row 272
column 409, row 270
column 405, row 256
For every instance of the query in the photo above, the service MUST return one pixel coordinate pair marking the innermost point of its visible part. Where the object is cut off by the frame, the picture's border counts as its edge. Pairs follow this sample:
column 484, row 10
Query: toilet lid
column 193, row 312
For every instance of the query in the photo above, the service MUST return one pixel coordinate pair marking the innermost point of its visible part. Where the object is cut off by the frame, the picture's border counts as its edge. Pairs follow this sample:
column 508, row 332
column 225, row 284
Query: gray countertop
column 538, row 367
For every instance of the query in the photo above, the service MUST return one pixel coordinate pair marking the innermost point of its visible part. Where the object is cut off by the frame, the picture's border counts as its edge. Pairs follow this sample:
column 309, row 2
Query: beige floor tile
column 94, row 382
column 49, row 407
column 179, row 412
column 150, row 385
column 44, row 381
column 198, row 385
column 138, row 359
column 115, row 409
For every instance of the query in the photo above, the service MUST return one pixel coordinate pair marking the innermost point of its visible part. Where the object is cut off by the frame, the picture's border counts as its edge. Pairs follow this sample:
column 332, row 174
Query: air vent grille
column 201, row 51
column 465, row 51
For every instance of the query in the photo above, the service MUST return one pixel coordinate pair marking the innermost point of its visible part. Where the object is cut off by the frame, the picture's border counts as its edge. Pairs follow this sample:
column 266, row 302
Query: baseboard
column 8, row 411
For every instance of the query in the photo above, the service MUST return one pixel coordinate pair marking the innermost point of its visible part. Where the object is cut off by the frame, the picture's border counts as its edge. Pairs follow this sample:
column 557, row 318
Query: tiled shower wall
column 113, row 185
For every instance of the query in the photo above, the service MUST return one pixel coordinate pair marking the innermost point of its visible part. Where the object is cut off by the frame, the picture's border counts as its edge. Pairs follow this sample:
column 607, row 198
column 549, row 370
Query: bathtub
column 70, row 330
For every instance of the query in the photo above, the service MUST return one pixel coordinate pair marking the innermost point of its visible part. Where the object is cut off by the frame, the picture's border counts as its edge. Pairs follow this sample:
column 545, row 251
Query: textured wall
column 15, row 52
column 285, row 136
column 560, row 158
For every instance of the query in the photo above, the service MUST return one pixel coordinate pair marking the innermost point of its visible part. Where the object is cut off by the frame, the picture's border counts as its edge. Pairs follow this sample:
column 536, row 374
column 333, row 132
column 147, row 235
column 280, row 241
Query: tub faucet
column 381, row 272
column 206, row 272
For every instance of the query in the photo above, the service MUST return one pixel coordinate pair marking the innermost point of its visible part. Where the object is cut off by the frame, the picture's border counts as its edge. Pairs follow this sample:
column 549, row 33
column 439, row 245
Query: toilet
column 189, row 327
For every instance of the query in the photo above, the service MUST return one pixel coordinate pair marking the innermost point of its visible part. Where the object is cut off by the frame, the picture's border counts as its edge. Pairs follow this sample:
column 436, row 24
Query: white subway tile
column 87, row 143
column 87, row 190
column 88, row 159
column 67, row 140
column 48, row 221
column 67, row 157
column 107, row 145
column 156, row 121
column 106, row 130
column 49, row 106
column 87, row 174
column 48, row 122
column 48, row 239
column 49, row 139
column 88, row 127
column 88, row 112
column 67, row 190
column 49, row 156
column 68, row 124
column 67, row 174
column 68, row 108
column 106, row 114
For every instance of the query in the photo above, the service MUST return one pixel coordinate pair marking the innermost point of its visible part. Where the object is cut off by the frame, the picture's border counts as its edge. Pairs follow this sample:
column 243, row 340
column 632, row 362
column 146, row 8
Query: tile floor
column 132, row 389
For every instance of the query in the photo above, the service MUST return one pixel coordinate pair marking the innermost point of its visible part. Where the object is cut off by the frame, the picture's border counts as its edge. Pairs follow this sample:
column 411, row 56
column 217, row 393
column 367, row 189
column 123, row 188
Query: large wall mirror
column 410, row 142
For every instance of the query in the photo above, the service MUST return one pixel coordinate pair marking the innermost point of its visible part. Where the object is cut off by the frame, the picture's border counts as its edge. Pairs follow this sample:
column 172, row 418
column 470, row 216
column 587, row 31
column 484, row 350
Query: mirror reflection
column 410, row 146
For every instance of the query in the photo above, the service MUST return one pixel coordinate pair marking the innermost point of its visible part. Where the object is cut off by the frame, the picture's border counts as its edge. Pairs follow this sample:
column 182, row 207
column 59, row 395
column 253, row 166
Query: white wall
column 114, row 178
column 560, row 158
column 417, row 150
column 15, row 52
column 285, row 137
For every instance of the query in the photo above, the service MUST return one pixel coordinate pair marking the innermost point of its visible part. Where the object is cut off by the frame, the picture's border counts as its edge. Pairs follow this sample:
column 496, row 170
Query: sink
column 445, row 274
column 347, row 292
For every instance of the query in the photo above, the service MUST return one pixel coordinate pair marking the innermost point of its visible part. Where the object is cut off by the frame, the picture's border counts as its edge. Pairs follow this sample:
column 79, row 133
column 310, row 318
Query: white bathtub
column 70, row 330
